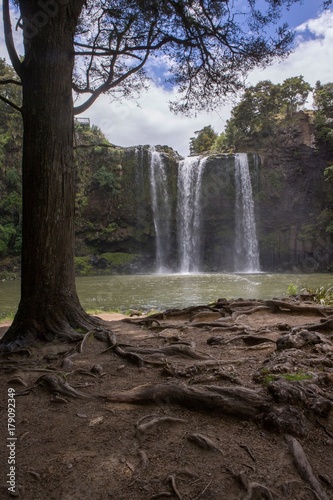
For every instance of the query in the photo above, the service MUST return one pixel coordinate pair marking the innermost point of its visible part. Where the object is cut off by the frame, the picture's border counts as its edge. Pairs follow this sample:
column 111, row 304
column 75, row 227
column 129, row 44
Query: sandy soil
column 92, row 446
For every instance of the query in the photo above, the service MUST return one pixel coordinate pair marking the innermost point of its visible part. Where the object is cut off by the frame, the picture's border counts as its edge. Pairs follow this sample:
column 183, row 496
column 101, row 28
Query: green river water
column 162, row 291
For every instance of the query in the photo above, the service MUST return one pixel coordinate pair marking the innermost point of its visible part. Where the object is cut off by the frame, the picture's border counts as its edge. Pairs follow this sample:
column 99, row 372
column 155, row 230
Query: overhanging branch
column 10, row 103
column 101, row 145
column 10, row 81
column 17, row 65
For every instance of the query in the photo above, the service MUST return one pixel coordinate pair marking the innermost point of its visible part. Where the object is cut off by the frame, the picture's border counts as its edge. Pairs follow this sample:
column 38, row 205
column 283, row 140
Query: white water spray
column 189, row 213
column 161, row 208
column 246, row 244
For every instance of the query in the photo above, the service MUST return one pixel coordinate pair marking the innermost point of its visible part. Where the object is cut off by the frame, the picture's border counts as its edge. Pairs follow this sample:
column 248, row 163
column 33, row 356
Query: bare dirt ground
column 228, row 402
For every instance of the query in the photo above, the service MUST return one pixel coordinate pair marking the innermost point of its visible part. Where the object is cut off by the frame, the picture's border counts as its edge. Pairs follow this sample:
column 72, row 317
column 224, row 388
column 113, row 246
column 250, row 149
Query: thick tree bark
column 49, row 303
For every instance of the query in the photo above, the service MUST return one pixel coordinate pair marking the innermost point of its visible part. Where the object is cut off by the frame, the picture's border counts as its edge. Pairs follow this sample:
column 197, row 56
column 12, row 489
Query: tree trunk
column 49, row 303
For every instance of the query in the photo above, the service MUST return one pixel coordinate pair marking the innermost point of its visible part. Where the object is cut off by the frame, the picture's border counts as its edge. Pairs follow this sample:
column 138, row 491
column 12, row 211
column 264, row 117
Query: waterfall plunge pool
column 164, row 291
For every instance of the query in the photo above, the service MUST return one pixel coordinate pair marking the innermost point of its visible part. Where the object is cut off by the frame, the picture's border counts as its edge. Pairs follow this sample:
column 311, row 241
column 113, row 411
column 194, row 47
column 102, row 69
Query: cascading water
column 189, row 212
column 246, row 244
column 161, row 208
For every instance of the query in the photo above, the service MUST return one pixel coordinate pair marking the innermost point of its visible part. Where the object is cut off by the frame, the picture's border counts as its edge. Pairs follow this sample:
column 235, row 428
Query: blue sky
column 149, row 121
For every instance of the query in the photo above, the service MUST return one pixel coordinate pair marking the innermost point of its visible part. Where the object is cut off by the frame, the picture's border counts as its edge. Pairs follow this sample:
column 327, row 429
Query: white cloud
column 311, row 57
column 149, row 121
column 152, row 123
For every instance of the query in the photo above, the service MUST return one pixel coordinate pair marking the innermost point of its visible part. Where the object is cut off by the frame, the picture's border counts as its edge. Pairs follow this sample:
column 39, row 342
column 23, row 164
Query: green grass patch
column 322, row 295
column 290, row 377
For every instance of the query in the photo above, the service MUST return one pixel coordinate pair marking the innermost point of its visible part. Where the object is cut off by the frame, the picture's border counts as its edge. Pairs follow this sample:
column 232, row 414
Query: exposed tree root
column 57, row 385
column 85, row 338
column 133, row 354
column 218, row 323
column 64, row 321
column 200, row 373
column 189, row 310
column 326, row 325
column 254, row 490
column 237, row 401
column 180, row 350
column 172, row 480
column 143, row 427
column 250, row 340
column 161, row 494
column 246, row 448
column 253, row 340
column 244, row 303
column 299, row 393
column 253, row 310
column 149, row 322
column 303, row 466
column 204, row 442
column 205, row 315
column 280, row 305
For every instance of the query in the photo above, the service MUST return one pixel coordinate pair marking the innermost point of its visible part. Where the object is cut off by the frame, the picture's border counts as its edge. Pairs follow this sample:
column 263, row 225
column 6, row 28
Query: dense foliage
column 257, row 116
column 203, row 140
column 323, row 100
column 92, row 163
column 262, row 113
column 10, row 168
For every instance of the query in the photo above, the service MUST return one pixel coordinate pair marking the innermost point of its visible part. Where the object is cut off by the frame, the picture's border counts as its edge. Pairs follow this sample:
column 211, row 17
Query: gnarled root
column 303, row 466
column 237, row 401
column 57, row 385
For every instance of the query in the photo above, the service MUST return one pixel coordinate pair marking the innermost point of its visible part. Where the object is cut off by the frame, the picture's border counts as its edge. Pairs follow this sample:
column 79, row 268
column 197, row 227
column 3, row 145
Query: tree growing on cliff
column 262, row 107
column 203, row 140
column 323, row 101
column 95, row 47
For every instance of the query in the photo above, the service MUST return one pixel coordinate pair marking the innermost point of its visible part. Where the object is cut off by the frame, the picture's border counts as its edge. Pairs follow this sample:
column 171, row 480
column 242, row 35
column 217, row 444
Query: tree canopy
column 323, row 101
column 208, row 46
column 261, row 109
column 104, row 46
column 256, row 116
column 203, row 141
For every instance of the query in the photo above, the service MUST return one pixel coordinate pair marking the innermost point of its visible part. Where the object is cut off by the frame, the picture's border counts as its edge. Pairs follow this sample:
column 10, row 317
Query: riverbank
column 108, row 316
column 228, row 401
column 166, row 291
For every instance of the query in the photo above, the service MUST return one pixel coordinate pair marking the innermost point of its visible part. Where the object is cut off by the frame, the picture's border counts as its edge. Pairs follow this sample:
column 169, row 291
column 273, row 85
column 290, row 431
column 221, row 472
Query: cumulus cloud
column 311, row 56
column 149, row 121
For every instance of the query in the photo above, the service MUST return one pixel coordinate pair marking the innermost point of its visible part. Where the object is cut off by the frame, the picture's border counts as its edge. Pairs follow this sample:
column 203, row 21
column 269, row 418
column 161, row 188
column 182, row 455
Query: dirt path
column 229, row 403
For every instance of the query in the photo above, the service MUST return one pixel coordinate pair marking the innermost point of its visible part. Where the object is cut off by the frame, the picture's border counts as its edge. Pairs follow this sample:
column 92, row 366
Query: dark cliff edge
column 115, row 230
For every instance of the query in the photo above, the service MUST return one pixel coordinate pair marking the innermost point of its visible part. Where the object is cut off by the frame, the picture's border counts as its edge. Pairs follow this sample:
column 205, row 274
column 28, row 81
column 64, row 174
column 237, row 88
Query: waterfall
column 246, row 244
column 161, row 208
column 189, row 212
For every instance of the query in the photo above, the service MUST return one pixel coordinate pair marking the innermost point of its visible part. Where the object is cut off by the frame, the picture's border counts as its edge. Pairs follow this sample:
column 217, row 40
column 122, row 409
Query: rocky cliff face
column 289, row 192
column 115, row 227
column 289, row 203
column 292, row 199
column 117, row 217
